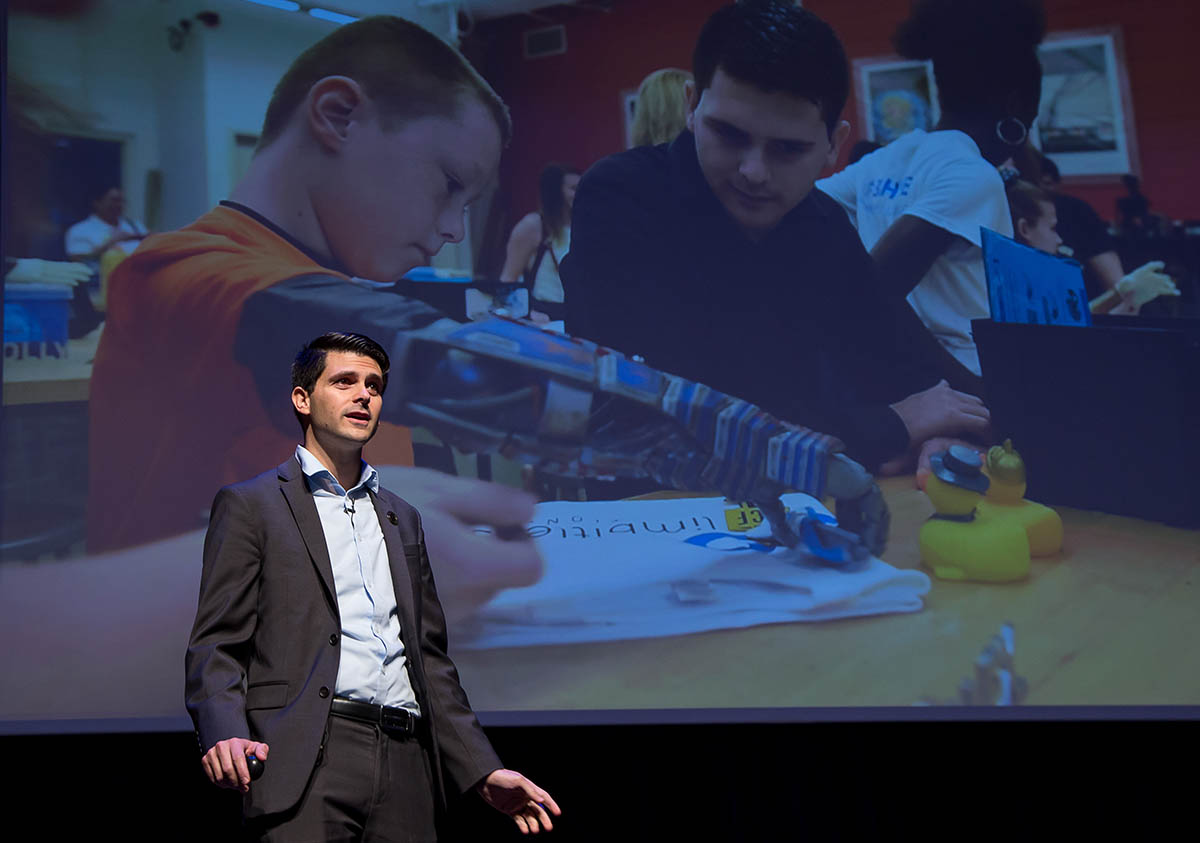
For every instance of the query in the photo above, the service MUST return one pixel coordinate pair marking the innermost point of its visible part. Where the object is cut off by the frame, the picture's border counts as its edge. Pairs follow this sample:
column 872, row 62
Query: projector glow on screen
column 620, row 600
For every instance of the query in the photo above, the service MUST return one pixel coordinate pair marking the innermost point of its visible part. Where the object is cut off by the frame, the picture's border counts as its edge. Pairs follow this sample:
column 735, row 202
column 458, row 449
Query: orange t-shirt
column 173, row 416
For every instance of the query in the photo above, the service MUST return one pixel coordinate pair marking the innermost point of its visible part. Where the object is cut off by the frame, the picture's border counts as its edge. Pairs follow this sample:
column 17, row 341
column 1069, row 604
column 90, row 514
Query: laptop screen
column 1032, row 287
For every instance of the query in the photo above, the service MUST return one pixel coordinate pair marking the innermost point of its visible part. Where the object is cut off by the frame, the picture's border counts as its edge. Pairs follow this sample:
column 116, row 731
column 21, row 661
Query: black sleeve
column 466, row 753
column 871, row 430
column 277, row 322
column 1081, row 228
column 866, row 363
column 222, row 636
column 616, row 250
column 856, row 385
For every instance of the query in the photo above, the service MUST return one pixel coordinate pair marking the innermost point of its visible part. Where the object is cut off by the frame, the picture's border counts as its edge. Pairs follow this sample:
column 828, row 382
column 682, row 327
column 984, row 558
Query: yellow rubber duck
column 1005, row 501
column 956, row 542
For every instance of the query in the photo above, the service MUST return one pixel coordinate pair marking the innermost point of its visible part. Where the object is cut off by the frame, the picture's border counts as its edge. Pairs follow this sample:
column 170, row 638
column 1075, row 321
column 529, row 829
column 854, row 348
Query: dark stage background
column 782, row 782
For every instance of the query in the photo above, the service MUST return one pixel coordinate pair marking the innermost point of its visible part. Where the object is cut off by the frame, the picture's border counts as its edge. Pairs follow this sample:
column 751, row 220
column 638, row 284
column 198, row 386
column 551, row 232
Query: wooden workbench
column 52, row 381
column 1111, row 621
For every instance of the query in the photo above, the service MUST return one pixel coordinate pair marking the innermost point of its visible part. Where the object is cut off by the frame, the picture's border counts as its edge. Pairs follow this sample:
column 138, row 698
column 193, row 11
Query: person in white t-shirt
column 107, row 228
column 920, row 201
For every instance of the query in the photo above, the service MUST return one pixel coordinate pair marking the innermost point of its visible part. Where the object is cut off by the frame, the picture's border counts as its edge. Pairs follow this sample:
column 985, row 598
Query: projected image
column 1079, row 111
column 613, row 539
column 895, row 97
column 1085, row 116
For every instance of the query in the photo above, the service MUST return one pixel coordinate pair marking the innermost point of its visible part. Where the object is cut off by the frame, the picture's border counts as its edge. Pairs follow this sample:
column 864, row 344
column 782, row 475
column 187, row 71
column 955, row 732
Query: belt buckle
column 396, row 720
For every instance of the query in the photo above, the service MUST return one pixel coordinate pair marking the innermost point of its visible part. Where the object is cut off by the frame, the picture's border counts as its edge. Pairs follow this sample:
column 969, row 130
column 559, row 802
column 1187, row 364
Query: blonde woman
column 661, row 110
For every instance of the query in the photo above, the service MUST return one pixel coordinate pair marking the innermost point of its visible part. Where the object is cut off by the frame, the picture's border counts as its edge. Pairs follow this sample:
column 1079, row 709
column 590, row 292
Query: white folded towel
column 641, row 569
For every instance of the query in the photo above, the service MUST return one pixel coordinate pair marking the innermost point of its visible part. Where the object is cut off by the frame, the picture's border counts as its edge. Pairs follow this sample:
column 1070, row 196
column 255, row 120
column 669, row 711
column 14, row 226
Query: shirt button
column 333, row 639
column 323, row 693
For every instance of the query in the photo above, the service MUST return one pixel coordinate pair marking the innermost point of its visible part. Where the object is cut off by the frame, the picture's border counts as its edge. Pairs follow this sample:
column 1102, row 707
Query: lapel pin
column 392, row 517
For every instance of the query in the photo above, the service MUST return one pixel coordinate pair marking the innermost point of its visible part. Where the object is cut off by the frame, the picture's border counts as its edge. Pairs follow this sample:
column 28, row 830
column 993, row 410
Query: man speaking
column 319, row 644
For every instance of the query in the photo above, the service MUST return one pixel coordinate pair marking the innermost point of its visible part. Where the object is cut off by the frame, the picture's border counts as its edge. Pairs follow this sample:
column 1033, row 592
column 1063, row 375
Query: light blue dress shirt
column 372, row 667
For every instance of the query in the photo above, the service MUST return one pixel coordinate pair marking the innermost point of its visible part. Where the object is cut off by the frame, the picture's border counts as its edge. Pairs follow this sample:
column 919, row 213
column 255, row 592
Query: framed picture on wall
column 894, row 97
column 1085, row 122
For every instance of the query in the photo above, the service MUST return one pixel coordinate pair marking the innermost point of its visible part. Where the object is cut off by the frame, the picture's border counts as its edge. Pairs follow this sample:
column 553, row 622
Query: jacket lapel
column 402, row 576
column 304, row 510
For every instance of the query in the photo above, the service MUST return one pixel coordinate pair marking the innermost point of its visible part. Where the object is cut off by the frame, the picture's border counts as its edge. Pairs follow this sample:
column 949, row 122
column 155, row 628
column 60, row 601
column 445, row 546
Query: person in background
column 1081, row 229
column 713, row 257
column 1133, row 209
column 102, row 241
column 105, row 229
column 919, row 202
column 661, row 110
column 1034, row 217
column 1035, row 223
column 541, row 240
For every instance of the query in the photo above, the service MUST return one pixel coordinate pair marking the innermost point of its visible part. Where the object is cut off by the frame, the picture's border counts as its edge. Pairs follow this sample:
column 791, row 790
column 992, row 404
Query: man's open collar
column 317, row 475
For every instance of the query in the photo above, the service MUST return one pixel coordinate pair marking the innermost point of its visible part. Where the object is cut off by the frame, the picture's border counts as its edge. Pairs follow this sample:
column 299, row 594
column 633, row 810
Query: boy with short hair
column 375, row 141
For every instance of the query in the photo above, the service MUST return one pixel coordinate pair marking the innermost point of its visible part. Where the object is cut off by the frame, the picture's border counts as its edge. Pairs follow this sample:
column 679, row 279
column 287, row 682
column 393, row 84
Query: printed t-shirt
column 941, row 178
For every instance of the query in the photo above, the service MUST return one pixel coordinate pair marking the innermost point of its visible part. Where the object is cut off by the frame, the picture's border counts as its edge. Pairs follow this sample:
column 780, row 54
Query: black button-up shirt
column 794, row 322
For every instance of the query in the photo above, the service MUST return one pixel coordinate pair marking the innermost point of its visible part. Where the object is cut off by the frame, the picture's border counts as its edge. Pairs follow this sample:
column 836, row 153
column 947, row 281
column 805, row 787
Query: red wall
column 568, row 107
column 1161, row 60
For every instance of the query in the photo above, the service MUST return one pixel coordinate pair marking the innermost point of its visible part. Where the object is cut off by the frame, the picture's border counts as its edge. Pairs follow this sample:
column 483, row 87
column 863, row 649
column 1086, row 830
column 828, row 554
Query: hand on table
column 1145, row 284
column 942, row 411
column 470, row 567
column 225, row 762
column 511, row 793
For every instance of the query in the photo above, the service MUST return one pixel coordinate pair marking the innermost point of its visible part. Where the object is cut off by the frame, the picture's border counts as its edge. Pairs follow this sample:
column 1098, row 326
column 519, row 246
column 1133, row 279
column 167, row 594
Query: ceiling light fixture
column 313, row 11
column 335, row 17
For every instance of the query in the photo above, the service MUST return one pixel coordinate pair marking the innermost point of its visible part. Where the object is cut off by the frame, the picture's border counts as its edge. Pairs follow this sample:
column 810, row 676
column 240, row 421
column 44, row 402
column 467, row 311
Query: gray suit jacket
column 262, row 661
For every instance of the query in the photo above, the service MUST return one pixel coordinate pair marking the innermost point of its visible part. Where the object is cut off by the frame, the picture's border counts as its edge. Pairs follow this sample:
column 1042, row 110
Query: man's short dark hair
column 310, row 361
column 777, row 46
column 408, row 71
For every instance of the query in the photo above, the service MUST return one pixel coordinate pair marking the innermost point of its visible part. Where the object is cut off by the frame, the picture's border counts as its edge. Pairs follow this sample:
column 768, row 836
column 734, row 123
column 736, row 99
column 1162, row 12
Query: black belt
column 397, row 722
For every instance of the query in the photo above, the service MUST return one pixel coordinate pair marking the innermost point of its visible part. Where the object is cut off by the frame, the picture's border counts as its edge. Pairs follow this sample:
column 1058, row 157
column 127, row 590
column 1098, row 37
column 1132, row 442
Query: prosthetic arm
column 575, row 409
column 1143, row 285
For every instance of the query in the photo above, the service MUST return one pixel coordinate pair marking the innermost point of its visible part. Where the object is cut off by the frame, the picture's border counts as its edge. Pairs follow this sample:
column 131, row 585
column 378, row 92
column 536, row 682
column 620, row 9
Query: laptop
column 1106, row 414
column 1030, row 286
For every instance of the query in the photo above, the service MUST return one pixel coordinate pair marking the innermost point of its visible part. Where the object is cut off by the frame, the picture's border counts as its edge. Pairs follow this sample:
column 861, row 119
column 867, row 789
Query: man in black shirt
column 714, row 259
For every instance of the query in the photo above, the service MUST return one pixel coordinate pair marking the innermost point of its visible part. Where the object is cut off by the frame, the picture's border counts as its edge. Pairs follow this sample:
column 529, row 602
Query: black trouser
column 367, row 786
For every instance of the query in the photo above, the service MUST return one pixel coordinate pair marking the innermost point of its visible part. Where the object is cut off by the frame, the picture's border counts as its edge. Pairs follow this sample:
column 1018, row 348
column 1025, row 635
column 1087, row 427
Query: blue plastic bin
column 36, row 312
